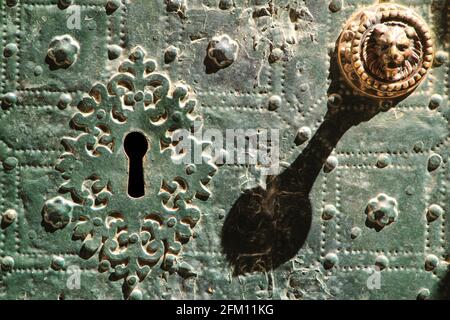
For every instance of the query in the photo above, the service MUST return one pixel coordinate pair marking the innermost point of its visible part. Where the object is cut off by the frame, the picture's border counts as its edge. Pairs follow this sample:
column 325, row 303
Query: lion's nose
column 394, row 53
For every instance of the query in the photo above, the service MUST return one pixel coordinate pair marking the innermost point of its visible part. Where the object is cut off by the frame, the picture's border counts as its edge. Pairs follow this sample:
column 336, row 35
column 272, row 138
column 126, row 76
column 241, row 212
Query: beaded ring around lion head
column 385, row 51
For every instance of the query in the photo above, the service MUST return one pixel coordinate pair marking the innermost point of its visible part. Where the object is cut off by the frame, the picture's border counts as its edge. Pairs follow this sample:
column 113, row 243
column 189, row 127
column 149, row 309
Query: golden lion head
column 393, row 51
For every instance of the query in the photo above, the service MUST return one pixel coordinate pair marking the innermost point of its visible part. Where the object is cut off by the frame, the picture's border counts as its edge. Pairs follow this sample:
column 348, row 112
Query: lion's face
column 392, row 52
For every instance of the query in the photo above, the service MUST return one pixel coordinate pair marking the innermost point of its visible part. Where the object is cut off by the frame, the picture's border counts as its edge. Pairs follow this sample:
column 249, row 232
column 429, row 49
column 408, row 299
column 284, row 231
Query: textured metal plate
column 74, row 80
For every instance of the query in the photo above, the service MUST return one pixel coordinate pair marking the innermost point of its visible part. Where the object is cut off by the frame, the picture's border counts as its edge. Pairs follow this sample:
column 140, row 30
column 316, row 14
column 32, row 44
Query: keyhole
column 135, row 146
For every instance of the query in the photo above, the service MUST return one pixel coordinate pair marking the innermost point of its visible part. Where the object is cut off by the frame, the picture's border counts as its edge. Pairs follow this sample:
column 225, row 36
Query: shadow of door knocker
column 383, row 53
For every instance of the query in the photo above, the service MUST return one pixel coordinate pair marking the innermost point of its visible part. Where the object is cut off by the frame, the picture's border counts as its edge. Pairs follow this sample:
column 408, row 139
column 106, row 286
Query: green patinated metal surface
column 358, row 211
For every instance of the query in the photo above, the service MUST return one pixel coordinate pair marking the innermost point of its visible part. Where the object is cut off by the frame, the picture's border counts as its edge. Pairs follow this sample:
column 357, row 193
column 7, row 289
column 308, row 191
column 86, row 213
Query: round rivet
column 137, row 54
column 11, row 3
column 303, row 134
column 383, row 161
column 134, row 238
column 276, row 55
column 434, row 211
column 418, row 147
column 65, row 3
column 330, row 164
column 180, row 92
column 434, row 162
column 176, row 117
column 431, row 262
column 274, row 102
column 334, row 100
column 123, row 238
column 435, row 101
column 329, row 211
column 64, row 101
column 105, row 265
column 170, row 54
column 331, row 259
column 7, row 263
column 176, row 5
column 382, row 262
column 9, row 99
column 139, row 96
column 441, row 57
column 136, row 294
column 113, row 5
column 114, row 51
column 38, row 71
column 190, row 169
column 132, row 280
column 58, row 263
column 226, row 4
column 9, row 216
column 304, row 87
column 335, row 5
column 10, row 163
column 355, row 232
column 423, row 294
column 10, row 49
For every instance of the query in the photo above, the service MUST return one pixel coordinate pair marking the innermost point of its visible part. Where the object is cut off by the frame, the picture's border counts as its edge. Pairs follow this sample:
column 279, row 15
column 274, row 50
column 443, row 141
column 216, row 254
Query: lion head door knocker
column 385, row 51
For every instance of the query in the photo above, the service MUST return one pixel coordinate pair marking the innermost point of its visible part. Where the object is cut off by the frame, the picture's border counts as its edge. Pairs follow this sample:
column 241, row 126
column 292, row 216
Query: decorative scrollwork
column 132, row 237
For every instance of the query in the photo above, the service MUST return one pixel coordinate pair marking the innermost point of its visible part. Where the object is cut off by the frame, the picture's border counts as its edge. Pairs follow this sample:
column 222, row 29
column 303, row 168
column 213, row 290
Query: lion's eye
column 384, row 46
column 402, row 47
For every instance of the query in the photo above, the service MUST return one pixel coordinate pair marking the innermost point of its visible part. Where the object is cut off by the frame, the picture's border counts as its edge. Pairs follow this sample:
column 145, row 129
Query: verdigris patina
column 357, row 91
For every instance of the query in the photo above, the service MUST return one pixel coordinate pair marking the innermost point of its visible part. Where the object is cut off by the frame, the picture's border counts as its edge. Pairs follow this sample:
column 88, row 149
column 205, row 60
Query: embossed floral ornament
column 57, row 212
column 63, row 51
column 133, row 237
column 222, row 51
column 385, row 51
column 381, row 211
